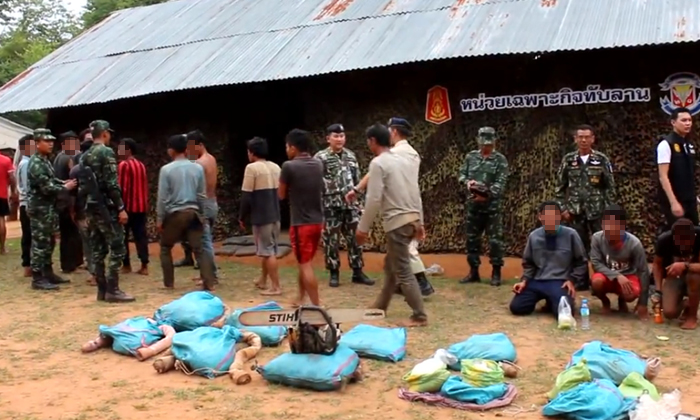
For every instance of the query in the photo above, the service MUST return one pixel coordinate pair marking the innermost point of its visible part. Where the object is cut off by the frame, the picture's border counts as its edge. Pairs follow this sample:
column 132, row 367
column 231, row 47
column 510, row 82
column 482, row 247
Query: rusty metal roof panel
column 190, row 46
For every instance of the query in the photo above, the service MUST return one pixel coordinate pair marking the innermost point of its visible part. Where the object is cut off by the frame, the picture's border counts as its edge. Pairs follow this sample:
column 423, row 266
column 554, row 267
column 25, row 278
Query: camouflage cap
column 101, row 125
column 487, row 135
column 43, row 134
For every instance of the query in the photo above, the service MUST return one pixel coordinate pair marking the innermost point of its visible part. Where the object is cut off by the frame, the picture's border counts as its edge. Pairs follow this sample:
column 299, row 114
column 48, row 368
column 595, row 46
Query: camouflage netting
column 533, row 140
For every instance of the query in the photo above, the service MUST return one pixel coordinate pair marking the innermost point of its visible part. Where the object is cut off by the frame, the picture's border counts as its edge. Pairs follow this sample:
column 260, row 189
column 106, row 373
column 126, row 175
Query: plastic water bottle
column 585, row 315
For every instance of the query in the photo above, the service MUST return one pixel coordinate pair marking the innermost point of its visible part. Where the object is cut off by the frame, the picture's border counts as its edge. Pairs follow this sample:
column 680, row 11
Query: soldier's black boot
column 359, row 277
column 334, row 280
column 53, row 277
column 496, row 276
column 114, row 294
column 39, row 282
column 472, row 277
column 426, row 289
column 101, row 286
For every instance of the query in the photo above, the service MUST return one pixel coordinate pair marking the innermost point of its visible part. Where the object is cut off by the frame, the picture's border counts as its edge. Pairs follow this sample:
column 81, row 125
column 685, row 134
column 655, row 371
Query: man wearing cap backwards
column 400, row 130
column 585, row 187
column 106, row 236
column 487, row 169
column 341, row 173
column 43, row 190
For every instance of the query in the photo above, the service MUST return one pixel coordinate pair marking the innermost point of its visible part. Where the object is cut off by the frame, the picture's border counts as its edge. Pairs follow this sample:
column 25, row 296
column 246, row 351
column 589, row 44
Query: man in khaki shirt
column 393, row 191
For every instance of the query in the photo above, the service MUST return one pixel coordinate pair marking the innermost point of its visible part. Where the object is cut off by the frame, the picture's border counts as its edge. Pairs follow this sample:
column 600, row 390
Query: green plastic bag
column 427, row 382
column 634, row 385
column 569, row 378
column 482, row 373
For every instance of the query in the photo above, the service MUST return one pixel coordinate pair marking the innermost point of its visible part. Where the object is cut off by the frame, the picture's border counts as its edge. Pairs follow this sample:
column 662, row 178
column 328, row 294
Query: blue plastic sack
column 191, row 311
column 496, row 347
column 132, row 334
column 207, row 351
column 270, row 336
column 458, row 390
column 312, row 371
column 597, row 400
column 388, row 344
column 606, row 362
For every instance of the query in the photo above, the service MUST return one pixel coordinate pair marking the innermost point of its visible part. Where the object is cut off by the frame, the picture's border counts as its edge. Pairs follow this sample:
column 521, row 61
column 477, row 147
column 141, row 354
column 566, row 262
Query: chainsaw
column 311, row 329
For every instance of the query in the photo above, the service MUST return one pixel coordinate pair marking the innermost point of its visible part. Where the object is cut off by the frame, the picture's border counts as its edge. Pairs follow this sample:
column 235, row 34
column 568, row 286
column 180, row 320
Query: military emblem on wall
column 437, row 106
column 682, row 91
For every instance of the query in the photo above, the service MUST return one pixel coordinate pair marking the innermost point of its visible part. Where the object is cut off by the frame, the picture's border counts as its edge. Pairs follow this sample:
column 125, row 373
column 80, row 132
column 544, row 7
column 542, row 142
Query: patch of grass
column 42, row 371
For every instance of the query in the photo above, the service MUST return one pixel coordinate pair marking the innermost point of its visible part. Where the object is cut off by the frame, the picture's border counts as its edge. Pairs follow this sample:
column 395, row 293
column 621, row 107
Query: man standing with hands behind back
column 341, row 173
column 484, row 170
column 585, row 187
column 675, row 156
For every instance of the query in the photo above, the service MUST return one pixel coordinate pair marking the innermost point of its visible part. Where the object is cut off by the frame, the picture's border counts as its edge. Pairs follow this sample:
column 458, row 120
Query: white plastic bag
column 565, row 319
column 667, row 408
column 445, row 357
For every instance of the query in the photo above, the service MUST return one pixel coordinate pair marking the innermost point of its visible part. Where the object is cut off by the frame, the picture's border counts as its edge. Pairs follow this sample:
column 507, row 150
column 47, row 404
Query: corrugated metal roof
column 10, row 132
column 193, row 43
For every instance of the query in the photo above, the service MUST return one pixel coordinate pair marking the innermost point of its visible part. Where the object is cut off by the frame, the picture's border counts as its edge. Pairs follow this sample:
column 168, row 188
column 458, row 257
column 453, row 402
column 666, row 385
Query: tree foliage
column 32, row 29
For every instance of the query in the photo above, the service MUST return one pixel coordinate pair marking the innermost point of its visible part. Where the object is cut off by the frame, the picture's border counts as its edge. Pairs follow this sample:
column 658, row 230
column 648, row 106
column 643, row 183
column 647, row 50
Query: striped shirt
column 259, row 199
column 134, row 184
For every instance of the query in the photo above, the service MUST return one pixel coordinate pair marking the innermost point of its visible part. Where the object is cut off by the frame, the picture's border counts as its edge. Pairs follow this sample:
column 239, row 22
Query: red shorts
column 612, row 286
column 305, row 240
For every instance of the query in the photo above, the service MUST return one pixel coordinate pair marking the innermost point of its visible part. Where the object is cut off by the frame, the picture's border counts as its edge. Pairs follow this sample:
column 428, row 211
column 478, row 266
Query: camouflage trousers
column 44, row 225
column 341, row 222
column 585, row 229
column 484, row 218
column 105, row 237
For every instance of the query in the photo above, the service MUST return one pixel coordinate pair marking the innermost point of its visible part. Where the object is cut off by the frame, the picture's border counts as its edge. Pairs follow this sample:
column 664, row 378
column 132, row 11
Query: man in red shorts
column 619, row 263
column 301, row 180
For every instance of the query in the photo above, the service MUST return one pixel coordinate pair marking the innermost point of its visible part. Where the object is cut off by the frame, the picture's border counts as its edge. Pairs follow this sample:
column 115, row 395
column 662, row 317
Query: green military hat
column 486, row 136
column 43, row 134
column 101, row 125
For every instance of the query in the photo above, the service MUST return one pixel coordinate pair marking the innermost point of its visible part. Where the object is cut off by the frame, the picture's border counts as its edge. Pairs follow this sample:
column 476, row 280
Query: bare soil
column 43, row 375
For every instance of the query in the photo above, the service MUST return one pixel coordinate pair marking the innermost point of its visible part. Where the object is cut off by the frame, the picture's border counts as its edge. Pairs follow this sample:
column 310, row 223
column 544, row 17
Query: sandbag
column 207, row 351
column 427, row 376
column 482, row 372
column 496, row 347
column 597, row 400
column 459, row 390
column 130, row 335
column 388, row 344
column 636, row 385
column 312, row 371
column 191, row 311
column 271, row 335
column 606, row 362
column 570, row 378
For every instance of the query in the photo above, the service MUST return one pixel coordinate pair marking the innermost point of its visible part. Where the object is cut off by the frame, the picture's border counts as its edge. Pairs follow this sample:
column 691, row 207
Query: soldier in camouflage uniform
column 106, row 236
column 585, row 186
column 341, row 175
column 44, row 188
column 488, row 168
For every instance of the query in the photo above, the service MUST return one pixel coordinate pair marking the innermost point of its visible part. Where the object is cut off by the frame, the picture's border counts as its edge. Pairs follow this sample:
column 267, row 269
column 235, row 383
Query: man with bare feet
column 260, row 203
column 301, row 180
column 394, row 192
column 619, row 263
column 676, row 271
column 195, row 144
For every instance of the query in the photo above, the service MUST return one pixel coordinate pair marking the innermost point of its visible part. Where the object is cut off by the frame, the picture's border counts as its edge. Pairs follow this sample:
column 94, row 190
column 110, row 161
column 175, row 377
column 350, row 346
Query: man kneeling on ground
column 619, row 263
column 554, row 260
column 677, row 272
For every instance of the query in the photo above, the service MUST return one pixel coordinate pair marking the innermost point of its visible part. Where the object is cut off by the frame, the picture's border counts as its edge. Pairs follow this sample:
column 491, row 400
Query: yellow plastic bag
column 482, row 373
column 427, row 376
column 569, row 378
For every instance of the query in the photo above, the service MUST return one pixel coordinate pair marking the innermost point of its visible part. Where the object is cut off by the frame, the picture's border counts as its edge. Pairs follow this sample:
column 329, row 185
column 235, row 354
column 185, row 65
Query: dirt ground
column 43, row 375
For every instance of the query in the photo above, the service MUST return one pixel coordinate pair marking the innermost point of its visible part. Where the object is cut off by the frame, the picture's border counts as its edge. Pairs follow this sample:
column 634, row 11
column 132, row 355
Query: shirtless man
column 195, row 144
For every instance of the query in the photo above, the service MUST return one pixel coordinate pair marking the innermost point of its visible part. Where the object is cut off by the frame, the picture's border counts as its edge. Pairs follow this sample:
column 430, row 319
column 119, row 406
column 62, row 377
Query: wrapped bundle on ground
column 496, row 347
column 596, row 400
column 140, row 337
column 570, row 378
column 319, row 372
column 482, row 373
column 427, row 376
column 270, row 335
column 191, row 311
column 387, row 344
column 606, row 362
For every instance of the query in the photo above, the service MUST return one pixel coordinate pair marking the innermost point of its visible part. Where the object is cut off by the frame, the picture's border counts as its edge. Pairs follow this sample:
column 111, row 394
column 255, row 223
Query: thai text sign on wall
column 565, row 97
